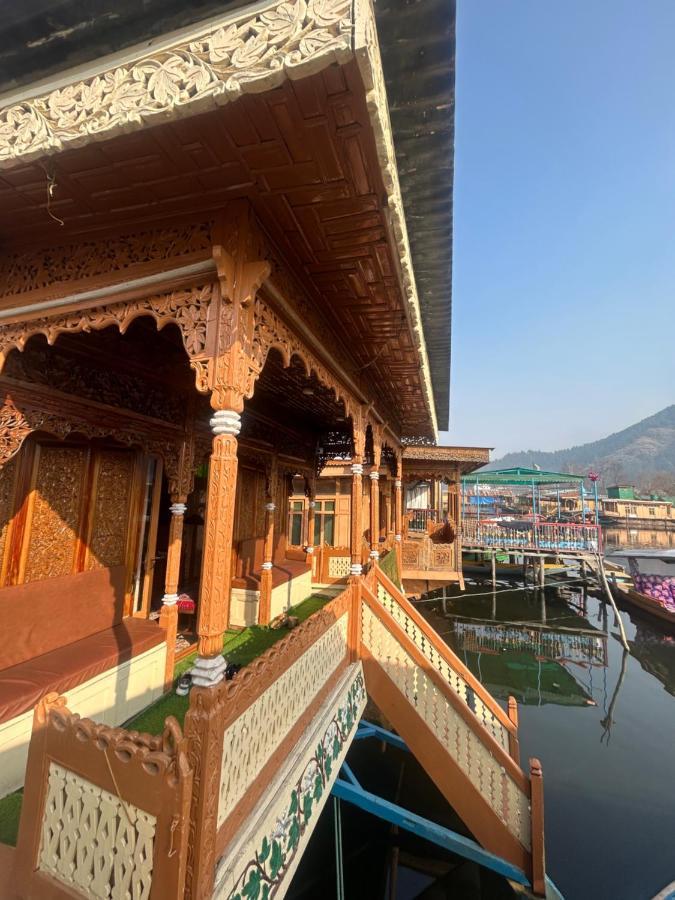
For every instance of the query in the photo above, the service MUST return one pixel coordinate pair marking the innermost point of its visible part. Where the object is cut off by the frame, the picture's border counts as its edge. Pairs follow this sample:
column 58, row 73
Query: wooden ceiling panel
column 304, row 154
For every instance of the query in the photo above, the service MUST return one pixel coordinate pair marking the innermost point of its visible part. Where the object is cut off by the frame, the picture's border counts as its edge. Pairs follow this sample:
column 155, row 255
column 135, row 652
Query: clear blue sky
column 564, row 249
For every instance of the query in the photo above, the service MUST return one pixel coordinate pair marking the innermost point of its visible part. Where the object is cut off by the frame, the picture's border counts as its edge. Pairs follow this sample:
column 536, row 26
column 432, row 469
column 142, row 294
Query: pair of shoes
column 184, row 685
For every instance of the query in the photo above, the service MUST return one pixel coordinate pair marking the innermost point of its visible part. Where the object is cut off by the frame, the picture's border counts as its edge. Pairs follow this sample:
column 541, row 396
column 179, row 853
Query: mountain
column 640, row 453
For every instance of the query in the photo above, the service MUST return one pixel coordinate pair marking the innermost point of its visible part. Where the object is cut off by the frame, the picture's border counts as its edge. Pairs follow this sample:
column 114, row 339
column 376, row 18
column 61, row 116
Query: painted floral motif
column 263, row 874
column 219, row 62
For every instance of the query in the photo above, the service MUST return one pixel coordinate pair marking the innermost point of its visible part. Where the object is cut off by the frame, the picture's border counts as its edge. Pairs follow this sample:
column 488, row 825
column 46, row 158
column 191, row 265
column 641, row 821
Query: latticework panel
column 93, row 841
column 253, row 737
column 441, row 664
column 339, row 566
column 469, row 752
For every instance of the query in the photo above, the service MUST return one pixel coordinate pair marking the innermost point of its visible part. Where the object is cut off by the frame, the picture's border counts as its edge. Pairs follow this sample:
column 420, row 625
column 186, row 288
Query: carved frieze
column 23, row 271
column 54, row 369
column 188, row 309
column 237, row 55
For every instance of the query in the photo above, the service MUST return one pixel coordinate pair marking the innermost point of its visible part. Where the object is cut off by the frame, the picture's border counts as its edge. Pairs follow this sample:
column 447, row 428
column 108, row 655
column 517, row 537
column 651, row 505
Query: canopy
column 521, row 475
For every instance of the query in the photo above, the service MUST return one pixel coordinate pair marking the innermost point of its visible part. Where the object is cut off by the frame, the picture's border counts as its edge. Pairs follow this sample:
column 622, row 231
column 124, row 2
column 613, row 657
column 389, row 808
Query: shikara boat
column 627, row 591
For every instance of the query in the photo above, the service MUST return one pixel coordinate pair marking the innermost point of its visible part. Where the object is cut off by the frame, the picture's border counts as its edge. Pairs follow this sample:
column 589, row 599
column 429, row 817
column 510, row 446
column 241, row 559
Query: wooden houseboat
column 209, row 293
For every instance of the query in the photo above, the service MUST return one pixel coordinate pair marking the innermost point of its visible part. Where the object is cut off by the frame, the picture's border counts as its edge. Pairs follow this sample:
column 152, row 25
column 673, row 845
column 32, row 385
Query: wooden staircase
column 465, row 741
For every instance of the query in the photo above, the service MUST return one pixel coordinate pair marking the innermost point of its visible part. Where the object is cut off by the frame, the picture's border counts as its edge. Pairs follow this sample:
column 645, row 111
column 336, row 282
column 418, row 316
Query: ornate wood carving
column 108, row 540
column 214, row 604
column 7, row 490
column 25, row 271
column 188, row 309
column 27, row 409
column 54, row 369
column 232, row 57
column 56, row 512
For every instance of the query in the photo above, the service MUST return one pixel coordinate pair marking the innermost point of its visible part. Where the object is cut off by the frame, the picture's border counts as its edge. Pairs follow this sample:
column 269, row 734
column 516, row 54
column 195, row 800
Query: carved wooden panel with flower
column 55, row 520
column 108, row 541
column 247, row 53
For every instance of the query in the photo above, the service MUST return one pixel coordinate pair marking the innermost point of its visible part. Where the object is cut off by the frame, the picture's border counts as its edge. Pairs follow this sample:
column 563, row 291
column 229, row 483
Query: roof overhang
column 427, row 462
column 251, row 50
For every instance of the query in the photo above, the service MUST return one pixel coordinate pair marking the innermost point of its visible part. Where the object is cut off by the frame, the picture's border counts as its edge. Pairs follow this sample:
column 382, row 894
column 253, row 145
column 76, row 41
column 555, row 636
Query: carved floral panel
column 30, row 270
column 7, row 487
column 108, row 541
column 231, row 57
column 56, row 512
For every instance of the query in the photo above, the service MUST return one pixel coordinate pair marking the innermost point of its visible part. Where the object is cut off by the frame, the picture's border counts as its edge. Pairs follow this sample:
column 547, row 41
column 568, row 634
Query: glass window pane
column 329, row 505
column 297, row 504
column 329, row 530
column 296, row 530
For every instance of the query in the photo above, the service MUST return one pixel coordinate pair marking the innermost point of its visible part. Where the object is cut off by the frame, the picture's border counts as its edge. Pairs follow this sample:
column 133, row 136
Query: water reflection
column 597, row 717
column 615, row 538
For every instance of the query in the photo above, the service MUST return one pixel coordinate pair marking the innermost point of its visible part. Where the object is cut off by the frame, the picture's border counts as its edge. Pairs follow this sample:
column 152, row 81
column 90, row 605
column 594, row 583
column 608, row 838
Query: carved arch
column 188, row 309
column 270, row 332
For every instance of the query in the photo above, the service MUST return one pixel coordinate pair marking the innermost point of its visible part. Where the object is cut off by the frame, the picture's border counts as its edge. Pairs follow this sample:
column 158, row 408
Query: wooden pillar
column 266, row 573
column 398, row 518
column 310, row 493
column 374, row 514
column 168, row 618
column 214, row 600
column 356, row 513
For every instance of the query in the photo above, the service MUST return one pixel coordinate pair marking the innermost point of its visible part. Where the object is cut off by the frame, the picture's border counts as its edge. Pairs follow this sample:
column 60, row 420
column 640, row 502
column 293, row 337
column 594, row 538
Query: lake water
column 602, row 722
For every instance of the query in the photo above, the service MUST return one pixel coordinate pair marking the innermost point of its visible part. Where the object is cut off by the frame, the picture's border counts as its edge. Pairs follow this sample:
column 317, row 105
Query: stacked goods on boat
column 659, row 587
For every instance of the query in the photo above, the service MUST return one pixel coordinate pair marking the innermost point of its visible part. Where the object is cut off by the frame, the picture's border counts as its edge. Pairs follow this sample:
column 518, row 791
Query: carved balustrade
column 441, row 658
column 493, row 774
column 105, row 810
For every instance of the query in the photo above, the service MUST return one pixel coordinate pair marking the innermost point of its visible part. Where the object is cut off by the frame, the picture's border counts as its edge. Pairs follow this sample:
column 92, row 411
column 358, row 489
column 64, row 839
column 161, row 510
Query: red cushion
column 23, row 685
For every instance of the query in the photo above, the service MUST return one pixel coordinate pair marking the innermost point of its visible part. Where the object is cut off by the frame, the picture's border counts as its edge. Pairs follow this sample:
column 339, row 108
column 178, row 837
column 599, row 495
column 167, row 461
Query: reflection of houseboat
column 653, row 582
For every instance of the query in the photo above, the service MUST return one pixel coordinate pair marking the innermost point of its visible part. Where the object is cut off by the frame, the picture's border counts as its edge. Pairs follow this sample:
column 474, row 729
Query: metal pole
column 477, row 503
column 494, row 569
column 595, row 497
column 583, row 504
column 557, row 490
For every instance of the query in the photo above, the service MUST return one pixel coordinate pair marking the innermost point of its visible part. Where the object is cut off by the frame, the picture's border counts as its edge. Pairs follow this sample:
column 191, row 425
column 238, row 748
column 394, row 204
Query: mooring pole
column 610, row 595
column 494, row 570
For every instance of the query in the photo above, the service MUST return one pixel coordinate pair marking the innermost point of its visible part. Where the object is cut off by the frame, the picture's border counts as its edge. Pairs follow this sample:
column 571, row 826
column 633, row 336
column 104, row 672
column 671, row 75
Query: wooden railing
column 441, row 658
column 557, row 537
column 264, row 750
column 105, row 811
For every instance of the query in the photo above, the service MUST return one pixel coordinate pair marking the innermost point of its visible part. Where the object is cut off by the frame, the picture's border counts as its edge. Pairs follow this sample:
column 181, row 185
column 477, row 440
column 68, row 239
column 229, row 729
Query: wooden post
column 374, row 514
column 514, row 749
column 537, row 818
column 214, row 601
column 542, row 572
column 494, row 570
column 168, row 618
column 356, row 513
column 264, row 608
column 310, row 491
column 398, row 516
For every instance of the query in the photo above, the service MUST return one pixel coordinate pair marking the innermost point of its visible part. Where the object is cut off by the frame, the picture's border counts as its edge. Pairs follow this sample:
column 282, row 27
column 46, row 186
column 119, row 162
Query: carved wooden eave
column 28, row 408
column 426, row 463
column 247, row 51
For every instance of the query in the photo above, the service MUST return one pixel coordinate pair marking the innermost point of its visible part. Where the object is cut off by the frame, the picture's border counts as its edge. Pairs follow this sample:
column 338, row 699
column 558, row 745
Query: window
column 324, row 523
column 652, row 511
column 295, row 522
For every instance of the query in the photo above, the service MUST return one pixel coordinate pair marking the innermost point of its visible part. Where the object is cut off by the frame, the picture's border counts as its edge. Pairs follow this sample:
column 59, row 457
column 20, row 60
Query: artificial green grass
column 10, row 811
column 240, row 647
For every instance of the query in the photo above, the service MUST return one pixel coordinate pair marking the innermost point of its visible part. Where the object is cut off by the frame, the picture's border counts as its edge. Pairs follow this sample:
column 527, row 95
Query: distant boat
column 660, row 602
